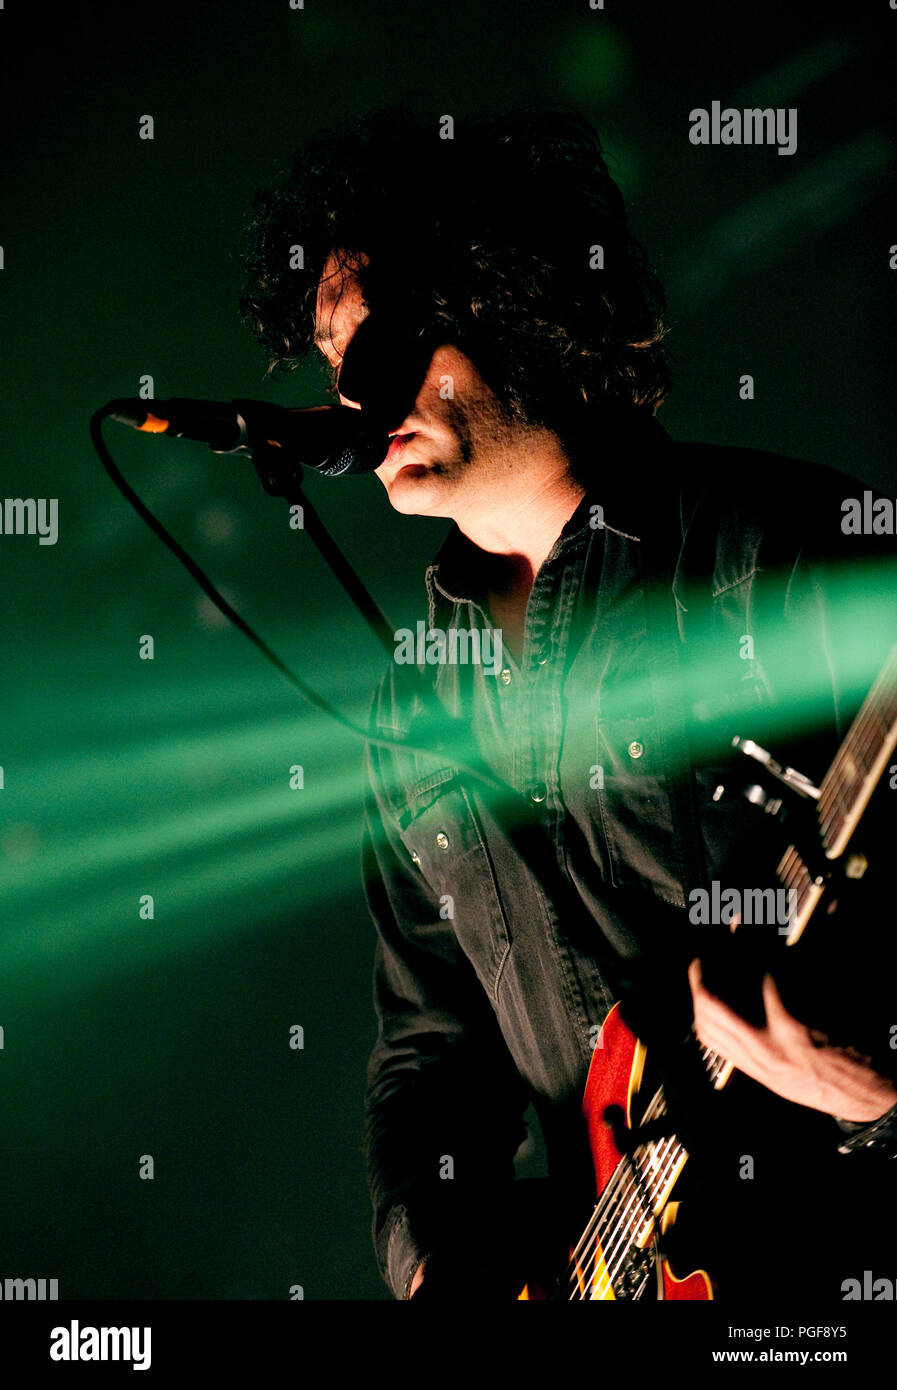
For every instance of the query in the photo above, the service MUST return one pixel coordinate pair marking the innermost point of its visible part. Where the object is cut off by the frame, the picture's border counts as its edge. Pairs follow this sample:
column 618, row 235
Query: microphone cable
column 511, row 811
column 350, row 581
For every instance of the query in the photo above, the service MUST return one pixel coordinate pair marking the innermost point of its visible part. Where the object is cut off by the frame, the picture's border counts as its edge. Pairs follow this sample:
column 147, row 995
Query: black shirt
column 489, row 995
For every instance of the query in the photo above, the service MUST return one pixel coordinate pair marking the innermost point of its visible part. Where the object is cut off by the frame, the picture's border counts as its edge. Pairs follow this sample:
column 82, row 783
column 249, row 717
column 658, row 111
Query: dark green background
column 170, row 1037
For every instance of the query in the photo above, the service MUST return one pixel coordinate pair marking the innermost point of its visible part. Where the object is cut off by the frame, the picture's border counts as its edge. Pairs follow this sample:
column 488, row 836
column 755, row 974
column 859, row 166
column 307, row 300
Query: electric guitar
column 618, row 1254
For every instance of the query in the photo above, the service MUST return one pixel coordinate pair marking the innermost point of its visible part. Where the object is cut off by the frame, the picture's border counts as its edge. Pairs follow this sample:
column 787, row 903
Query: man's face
column 453, row 454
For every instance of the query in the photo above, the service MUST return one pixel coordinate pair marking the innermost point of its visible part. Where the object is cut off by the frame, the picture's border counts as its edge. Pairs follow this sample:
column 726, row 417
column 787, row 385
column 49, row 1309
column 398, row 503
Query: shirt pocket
column 441, row 830
column 636, row 816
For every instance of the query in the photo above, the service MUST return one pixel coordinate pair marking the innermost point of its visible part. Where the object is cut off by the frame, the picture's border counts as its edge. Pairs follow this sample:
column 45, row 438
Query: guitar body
column 618, row 1256
column 614, row 1079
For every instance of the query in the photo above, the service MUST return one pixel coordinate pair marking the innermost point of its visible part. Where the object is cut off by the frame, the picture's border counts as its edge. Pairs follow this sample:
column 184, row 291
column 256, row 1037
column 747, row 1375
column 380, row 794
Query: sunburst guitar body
column 617, row 1257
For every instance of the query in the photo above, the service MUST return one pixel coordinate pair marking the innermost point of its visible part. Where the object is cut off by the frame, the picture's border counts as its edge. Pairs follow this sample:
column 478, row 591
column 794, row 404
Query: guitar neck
column 860, row 762
column 843, row 797
column 845, row 792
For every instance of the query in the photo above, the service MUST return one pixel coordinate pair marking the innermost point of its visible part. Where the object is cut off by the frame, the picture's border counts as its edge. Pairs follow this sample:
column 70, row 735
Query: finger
column 778, row 1018
column 703, row 1001
column 723, row 1030
column 720, row 1028
column 722, row 1015
column 700, row 993
column 736, row 1040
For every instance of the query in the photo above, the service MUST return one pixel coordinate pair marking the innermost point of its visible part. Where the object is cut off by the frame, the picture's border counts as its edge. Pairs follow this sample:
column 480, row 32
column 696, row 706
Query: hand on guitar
column 788, row 1058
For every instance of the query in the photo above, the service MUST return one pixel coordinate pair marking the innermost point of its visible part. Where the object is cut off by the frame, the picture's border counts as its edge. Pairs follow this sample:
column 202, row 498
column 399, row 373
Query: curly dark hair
column 487, row 238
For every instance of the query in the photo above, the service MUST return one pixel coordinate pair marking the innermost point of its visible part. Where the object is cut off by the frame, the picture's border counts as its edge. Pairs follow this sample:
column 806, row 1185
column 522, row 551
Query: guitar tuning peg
column 795, row 781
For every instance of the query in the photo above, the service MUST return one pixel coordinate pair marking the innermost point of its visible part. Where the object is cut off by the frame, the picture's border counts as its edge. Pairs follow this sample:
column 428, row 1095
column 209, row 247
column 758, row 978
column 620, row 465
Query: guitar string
column 664, row 1167
column 837, row 803
column 666, row 1154
column 879, row 694
column 582, row 1280
column 664, row 1164
column 860, row 739
column 612, row 1189
column 623, row 1236
column 577, row 1272
column 625, row 1191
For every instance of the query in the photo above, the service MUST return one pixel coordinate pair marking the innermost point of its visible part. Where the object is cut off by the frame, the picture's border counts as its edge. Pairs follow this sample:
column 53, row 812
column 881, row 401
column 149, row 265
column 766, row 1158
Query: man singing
column 652, row 600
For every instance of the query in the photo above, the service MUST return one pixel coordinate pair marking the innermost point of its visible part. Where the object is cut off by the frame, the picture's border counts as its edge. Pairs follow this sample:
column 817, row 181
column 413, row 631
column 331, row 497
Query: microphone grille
column 362, row 456
column 340, row 463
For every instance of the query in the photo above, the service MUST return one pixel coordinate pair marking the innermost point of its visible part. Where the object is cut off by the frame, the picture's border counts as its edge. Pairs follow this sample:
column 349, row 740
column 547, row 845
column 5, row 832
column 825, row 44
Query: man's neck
column 518, row 535
column 516, row 540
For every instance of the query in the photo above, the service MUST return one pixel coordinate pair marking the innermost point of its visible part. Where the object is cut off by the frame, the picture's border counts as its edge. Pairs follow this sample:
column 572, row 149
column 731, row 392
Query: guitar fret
column 872, row 739
column 869, row 742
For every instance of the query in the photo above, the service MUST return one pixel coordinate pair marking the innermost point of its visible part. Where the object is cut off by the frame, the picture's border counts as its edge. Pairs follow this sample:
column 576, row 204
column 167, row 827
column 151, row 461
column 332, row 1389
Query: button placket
column 540, row 736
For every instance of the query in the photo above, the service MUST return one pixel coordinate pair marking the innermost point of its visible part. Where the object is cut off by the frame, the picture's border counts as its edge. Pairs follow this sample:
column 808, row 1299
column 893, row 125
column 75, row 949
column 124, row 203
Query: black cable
column 512, row 813
column 373, row 615
column 482, row 774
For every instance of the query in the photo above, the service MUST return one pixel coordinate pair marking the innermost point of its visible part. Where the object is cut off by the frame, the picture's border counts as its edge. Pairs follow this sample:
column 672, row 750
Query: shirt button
column 506, row 677
column 442, row 840
column 538, row 792
column 636, row 749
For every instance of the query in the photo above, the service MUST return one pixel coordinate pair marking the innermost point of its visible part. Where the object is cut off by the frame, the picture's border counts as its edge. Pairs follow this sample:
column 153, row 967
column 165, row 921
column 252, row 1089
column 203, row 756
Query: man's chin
column 414, row 489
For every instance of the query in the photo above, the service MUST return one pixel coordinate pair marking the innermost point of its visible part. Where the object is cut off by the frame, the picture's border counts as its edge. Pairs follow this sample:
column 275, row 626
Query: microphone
column 382, row 369
column 331, row 439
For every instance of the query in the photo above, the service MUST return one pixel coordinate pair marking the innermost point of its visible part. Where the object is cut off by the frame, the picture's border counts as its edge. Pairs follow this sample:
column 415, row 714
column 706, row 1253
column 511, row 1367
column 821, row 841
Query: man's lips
column 397, row 444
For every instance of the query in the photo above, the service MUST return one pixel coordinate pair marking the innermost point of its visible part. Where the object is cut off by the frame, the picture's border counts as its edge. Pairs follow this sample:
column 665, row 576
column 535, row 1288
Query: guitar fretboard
column 845, row 791
column 860, row 762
